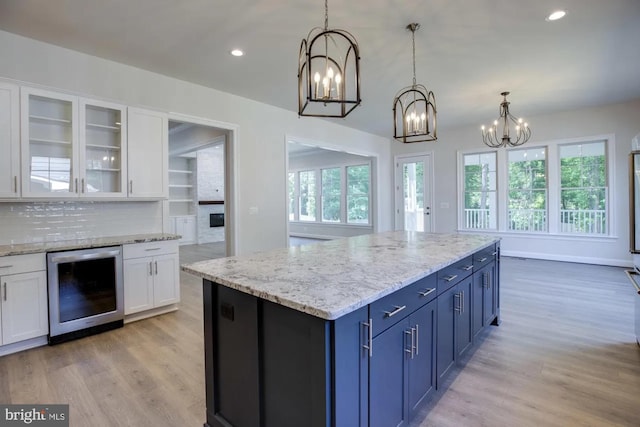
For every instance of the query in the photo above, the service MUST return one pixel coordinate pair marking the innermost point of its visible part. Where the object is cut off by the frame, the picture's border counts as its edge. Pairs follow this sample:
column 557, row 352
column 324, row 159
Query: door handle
column 5, row 291
column 397, row 310
column 450, row 278
column 156, row 264
column 82, row 185
column 427, row 292
column 150, row 268
column 417, row 336
column 369, row 347
column 15, row 184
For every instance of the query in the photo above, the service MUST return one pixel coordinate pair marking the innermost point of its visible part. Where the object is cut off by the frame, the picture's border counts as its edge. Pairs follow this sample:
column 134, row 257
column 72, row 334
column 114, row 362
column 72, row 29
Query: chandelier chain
column 414, row 27
column 326, row 14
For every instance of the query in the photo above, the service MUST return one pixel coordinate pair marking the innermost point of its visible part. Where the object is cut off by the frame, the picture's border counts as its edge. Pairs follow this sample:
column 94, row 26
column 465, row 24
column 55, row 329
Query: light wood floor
column 565, row 355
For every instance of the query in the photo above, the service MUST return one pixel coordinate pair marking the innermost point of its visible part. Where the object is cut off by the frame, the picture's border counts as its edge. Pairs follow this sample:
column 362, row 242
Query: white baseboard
column 569, row 258
column 150, row 313
column 23, row 345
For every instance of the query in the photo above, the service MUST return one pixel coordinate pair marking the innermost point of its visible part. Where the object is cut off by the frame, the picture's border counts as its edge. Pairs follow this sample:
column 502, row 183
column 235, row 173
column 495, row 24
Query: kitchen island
column 350, row 332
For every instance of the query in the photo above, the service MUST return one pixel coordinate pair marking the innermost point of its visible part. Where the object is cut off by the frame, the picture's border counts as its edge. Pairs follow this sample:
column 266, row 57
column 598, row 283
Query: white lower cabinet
column 186, row 227
column 151, row 276
column 23, row 302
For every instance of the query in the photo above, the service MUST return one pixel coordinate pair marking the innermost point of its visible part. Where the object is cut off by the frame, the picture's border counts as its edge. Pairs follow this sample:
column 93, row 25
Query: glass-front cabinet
column 71, row 147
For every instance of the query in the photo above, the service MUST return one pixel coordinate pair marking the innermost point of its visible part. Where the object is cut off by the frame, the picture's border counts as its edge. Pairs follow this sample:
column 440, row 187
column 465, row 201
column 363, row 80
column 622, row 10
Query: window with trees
column 336, row 194
column 307, row 197
column 480, row 191
column 358, row 180
column 583, row 188
column 331, row 194
column 559, row 188
column 527, row 198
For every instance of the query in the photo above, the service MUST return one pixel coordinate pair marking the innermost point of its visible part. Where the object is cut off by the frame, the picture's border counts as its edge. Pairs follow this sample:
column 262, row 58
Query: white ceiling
column 467, row 51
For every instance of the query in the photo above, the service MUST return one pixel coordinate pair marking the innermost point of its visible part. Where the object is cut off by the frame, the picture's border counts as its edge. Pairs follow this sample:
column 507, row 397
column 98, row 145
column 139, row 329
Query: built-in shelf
column 180, row 186
column 180, row 171
column 103, row 127
column 102, row 147
column 49, row 141
column 103, row 170
column 180, row 200
column 49, row 120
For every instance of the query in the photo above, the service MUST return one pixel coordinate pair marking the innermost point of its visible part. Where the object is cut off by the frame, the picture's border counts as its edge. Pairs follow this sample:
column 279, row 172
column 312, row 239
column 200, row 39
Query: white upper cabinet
column 49, row 144
column 72, row 147
column 103, row 154
column 148, row 150
column 9, row 141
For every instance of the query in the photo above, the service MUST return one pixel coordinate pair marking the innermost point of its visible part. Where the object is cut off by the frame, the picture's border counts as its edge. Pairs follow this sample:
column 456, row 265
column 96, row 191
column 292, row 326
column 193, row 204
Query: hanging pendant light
column 328, row 72
column 414, row 108
column 509, row 138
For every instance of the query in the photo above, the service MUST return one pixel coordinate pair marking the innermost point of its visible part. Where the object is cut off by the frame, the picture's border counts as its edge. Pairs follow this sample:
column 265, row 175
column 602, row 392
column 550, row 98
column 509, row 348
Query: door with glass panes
column 413, row 193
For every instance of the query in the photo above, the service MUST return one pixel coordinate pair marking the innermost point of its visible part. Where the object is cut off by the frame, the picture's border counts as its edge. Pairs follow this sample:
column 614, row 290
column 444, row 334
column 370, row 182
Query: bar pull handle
column 397, row 309
column 410, row 349
column 6, row 266
column 131, row 187
column 417, row 335
column 462, row 301
column 156, row 264
column 426, row 292
column 494, row 253
column 457, row 308
column 5, row 291
column 468, row 267
column 152, row 249
column 483, row 259
column 450, row 278
column 15, row 184
column 369, row 347
column 150, row 268
column 82, row 186
column 76, row 184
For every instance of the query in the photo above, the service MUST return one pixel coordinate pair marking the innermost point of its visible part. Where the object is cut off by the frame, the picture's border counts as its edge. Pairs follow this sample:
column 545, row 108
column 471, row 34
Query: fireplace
column 216, row 220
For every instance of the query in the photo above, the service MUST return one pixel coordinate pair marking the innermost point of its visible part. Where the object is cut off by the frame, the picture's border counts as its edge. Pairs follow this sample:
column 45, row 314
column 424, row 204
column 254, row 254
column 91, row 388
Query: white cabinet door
column 148, row 153
column 138, row 285
column 166, row 288
column 24, row 307
column 185, row 226
column 9, row 141
column 49, row 133
column 103, row 149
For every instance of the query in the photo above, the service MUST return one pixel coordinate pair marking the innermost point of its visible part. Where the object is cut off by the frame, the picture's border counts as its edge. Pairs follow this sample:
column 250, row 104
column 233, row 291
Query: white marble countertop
column 62, row 245
column 333, row 278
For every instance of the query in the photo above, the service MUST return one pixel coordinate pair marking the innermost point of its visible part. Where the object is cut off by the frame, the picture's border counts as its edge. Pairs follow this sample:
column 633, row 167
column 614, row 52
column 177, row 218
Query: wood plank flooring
column 565, row 355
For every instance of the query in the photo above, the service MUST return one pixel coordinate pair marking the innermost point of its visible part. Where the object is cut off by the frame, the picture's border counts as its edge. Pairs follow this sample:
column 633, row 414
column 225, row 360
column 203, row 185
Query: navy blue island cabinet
column 267, row 365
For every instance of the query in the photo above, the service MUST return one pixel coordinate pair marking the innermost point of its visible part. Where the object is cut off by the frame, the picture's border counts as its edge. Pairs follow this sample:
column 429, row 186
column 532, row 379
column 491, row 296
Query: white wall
column 261, row 215
column 621, row 120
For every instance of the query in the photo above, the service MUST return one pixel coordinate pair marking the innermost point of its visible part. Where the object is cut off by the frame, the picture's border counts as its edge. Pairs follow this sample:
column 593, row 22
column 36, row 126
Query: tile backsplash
column 35, row 222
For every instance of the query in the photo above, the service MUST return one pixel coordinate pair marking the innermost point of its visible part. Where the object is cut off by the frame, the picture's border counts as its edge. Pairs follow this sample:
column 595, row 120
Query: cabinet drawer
column 454, row 273
column 139, row 250
column 22, row 263
column 484, row 257
column 389, row 310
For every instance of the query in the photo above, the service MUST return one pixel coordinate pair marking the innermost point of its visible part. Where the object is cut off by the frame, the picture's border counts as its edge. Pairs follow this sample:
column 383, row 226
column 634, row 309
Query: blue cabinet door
column 388, row 377
column 490, row 293
column 478, row 300
column 463, row 331
column 422, row 368
column 445, row 348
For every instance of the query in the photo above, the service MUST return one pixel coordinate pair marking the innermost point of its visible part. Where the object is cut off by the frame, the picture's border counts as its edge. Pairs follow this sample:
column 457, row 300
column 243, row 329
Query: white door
column 413, row 193
column 24, row 306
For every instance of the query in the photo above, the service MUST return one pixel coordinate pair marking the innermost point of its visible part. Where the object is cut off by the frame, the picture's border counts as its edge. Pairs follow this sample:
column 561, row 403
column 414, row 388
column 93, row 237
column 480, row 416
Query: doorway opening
column 414, row 192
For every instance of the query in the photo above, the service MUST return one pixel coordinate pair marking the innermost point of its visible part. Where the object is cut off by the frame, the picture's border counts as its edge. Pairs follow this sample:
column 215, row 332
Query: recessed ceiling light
column 558, row 14
column 237, row 52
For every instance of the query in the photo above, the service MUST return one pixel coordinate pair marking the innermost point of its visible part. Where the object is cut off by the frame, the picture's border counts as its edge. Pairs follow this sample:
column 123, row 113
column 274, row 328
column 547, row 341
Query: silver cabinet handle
column 369, row 347
column 6, row 266
column 462, row 301
column 467, row 267
column 150, row 268
column 397, row 309
column 5, row 291
column 417, row 335
column 15, row 183
column 450, row 278
column 82, row 186
column 156, row 264
column 152, row 249
column 427, row 292
column 410, row 349
column 131, row 186
column 494, row 253
column 459, row 307
column 482, row 259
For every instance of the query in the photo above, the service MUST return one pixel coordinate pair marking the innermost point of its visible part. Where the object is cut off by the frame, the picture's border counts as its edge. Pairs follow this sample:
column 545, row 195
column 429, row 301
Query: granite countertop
column 333, row 278
column 61, row 245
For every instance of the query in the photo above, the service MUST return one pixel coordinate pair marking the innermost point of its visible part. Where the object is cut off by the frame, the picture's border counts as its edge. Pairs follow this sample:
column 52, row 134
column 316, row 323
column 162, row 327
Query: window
column 358, row 179
column 336, row 194
column 307, row 196
column 527, row 190
column 331, row 194
column 583, row 188
column 480, row 197
column 560, row 188
column 292, row 195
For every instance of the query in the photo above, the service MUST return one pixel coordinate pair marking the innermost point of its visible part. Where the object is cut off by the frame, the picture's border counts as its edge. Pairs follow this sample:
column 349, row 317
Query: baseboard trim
column 569, row 258
column 150, row 313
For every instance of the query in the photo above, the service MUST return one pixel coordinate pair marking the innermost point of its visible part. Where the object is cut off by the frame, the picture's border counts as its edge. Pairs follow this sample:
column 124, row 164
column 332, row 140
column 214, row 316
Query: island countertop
column 333, row 278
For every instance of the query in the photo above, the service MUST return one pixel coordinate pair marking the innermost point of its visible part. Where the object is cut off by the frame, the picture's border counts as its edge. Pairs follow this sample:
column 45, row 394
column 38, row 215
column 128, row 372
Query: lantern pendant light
column 328, row 72
column 414, row 108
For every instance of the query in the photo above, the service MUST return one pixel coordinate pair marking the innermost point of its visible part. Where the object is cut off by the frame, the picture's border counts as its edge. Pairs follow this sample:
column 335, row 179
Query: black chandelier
column 510, row 138
column 328, row 72
column 414, row 108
